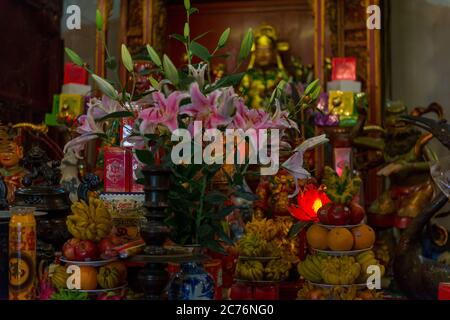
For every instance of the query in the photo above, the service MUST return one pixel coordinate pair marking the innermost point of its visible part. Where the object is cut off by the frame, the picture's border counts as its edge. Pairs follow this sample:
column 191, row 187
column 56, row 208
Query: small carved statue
column 11, row 154
column 42, row 170
column 401, row 153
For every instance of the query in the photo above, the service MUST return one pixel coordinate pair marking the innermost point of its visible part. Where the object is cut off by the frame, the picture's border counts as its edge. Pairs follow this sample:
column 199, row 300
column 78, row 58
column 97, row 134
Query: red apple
column 105, row 245
column 338, row 215
column 322, row 213
column 69, row 248
column 86, row 250
column 357, row 213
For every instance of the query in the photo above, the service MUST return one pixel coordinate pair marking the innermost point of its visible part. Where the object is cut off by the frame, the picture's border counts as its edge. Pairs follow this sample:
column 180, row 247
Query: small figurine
column 11, row 154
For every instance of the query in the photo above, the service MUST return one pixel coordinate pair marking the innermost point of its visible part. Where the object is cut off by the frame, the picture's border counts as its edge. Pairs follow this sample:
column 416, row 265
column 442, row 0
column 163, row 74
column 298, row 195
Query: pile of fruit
column 311, row 292
column 269, row 237
column 91, row 225
column 340, row 238
column 266, row 238
column 108, row 276
column 338, row 270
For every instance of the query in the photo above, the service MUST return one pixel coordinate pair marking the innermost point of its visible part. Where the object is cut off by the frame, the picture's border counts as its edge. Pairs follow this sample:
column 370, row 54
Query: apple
column 357, row 213
column 322, row 213
column 339, row 214
column 105, row 245
column 69, row 248
column 86, row 250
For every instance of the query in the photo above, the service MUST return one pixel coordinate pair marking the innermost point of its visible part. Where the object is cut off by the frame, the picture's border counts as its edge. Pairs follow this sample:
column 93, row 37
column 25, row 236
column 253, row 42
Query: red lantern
column 308, row 203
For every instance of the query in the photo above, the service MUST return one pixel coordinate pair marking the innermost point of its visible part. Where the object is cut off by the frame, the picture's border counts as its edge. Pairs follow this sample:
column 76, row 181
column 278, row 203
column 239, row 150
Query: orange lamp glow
column 308, row 204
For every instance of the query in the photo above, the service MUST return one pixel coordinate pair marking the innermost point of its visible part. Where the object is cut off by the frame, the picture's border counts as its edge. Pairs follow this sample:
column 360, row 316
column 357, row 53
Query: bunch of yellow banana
column 266, row 228
column 367, row 259
column 250, row 270
column 277, row 270
column 89, row 222
column 310, row 268
column 382, row 253
column 252, row 245
column 340, row 270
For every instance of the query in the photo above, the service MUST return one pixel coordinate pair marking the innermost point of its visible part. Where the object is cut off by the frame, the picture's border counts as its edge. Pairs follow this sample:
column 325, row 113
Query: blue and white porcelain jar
column 191, row 283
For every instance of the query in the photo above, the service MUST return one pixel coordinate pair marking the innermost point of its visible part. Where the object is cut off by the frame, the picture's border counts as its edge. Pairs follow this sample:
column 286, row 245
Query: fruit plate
column 342, row 253
column 347, row 226
column 258, row 258
column 104, row 290
column 95, row 263
column 329, row 286
column 258, row 282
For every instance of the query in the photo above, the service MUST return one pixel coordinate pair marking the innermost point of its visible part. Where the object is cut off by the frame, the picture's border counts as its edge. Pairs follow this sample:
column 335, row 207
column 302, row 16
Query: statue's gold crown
column 266, row 36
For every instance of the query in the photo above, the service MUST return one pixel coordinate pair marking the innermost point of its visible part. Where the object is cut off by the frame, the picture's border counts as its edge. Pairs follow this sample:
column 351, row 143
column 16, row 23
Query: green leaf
column 154, row 82
column 154, row 56
column 204, row 231
column 246, row 195
column 99, row 20
column 111, row 63
column 126, row 59
column 225, row 211
column 187, row 5
column 170, row 71
column 201, row 36
column 145, row 156
column 75, row 58
column 214, row 246
column 223, row 38
column 246, row 46
column 105, row 87
column 178, row 37
column 277, row 91
column 216, row 197
column 192, row 11
column 186, row 30
column 116, row 115
column 200, row 51
column 296, row 228
column 227, row 81
column 311, row 87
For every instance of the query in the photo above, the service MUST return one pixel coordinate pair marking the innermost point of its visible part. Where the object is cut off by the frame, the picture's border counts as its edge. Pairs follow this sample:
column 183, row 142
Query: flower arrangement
column 181, row 99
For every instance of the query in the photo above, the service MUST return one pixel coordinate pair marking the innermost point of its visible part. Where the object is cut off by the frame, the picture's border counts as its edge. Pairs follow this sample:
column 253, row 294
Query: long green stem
column 198, row 218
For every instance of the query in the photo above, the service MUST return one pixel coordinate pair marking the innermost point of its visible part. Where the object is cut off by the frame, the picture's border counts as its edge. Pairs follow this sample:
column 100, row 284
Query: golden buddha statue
column 11, row 154
column 265, row 69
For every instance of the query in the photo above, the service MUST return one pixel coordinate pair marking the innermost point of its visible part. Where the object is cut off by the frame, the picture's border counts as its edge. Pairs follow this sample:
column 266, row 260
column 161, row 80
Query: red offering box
column 444, row 291
column 75, row 74
column 116, row 169
column 344, row 69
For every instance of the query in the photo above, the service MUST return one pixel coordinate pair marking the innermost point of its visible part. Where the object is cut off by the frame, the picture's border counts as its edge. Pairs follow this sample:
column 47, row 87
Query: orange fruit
column 88, row 278
column 340, row 239
column 364, row 237
column 317, row 237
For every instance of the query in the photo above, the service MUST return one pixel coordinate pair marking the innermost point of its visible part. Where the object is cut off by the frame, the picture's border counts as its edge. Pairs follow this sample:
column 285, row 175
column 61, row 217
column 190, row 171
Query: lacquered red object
column 75, row 74
column 241, row 292
column 266, row 293
column 308, row 203
column 444, row 291
column 344, row 68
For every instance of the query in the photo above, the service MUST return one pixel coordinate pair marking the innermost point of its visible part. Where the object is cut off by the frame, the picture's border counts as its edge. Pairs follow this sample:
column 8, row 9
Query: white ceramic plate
column 104, row 290
column 342, row 253
column 96, row 263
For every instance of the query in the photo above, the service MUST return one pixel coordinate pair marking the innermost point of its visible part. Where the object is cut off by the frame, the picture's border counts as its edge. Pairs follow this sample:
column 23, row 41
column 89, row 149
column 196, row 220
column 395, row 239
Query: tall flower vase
column 191, row 283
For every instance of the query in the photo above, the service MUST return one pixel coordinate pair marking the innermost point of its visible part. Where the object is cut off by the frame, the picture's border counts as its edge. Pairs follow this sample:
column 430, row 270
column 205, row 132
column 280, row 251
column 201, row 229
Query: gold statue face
column 264, row 55
column 10, row 155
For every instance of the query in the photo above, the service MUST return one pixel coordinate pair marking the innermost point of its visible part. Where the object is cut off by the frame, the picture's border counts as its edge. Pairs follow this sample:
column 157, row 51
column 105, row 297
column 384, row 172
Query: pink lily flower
column 164, row 112
column 207, row 108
